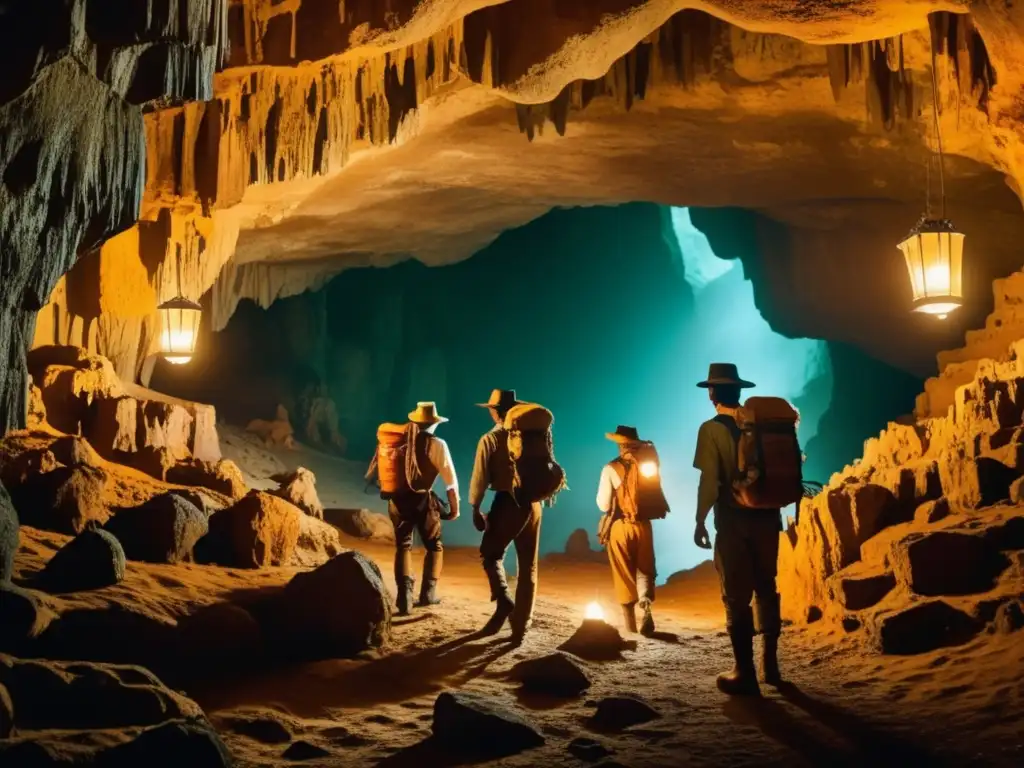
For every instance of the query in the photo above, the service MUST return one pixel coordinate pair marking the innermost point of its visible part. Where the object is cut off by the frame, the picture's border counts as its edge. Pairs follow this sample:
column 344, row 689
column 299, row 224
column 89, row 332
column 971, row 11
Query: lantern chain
column 938, row 131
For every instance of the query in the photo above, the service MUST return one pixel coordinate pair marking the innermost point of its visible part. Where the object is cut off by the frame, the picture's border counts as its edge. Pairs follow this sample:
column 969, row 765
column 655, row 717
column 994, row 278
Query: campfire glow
column 594, row 611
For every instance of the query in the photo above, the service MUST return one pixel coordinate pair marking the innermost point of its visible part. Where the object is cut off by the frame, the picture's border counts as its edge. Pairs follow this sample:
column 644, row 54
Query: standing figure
column 508, row 522
column 629, row 494
column 408, row 461
column 747, row 538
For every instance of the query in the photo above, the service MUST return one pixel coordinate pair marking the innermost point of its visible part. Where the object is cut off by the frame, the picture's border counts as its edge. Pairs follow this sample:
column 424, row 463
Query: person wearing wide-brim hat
column 419, row 510
column 629, row 541
column 746, row 541
column 506, row 523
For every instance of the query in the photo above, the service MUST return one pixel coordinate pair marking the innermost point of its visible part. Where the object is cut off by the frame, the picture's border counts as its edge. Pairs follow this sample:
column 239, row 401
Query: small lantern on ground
column 934, row 254
column 180, row 318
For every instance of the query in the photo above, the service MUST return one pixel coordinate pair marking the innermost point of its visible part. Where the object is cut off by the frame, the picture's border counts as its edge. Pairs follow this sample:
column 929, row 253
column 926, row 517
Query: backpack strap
column 729, row 423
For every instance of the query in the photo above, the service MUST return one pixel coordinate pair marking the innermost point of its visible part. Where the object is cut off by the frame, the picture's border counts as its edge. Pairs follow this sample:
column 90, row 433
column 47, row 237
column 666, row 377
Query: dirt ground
column 843, row 707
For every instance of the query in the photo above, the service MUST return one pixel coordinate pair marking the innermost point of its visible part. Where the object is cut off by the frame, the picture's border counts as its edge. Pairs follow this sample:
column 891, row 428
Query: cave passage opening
column 606, row 315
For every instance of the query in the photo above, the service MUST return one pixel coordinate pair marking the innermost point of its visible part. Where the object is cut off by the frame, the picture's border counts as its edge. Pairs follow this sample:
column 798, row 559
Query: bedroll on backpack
column 768, row 456
column 536, row 476
column 640, row 495
column 391, row 449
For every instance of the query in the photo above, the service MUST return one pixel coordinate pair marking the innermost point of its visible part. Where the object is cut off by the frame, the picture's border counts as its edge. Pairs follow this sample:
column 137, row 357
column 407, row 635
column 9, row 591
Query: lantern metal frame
column 181, row 304
column 952, row 294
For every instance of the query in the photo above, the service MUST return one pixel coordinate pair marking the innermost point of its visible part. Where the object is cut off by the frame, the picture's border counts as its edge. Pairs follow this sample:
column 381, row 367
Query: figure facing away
column 746, row 546
column 508, row 522
column 630, row 496
column 408, row 461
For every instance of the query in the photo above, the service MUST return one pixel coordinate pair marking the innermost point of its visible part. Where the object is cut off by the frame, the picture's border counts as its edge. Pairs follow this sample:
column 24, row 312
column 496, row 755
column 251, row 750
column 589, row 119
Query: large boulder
column 318, row 542
column 260, row 530
column 222, row 476
column 299, row 488
column 73, row 451
column 468, row 723
column 116, row 633
column 336, row 610
column 64, row 500
column 924, row 627
column 18, row 467
column 177, row 742
column 362, row 524
column 10, row 535
column 92, row 560
column 163, row 530
column 82, row 695
column 948, row 563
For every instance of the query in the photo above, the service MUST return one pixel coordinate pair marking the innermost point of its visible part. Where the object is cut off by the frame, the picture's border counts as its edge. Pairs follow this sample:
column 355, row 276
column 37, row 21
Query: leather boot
column 403, row 581
column 431, row 573
column 405, row 592
column 770, row 660
column 629, row 617
column 502, row 611
column 647, row 623
column 742, row 681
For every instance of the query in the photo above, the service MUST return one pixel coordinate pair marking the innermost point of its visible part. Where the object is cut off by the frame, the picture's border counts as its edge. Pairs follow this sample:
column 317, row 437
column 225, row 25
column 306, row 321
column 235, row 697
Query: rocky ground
column 846, row 705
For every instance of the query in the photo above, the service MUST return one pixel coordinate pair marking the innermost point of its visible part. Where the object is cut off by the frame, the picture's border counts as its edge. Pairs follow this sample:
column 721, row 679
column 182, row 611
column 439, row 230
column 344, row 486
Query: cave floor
column 844, row 705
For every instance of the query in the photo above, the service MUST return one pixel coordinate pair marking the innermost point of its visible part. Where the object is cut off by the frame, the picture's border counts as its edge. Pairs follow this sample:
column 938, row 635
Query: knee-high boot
column 495, row 571
column 742, row 680
column 431, row 573
column 404, row 583
column 770, row 621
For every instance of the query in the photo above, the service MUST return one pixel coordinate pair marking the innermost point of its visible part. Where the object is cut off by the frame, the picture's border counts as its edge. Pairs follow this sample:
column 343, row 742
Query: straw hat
column 624, row 435
column 426, row 413
column 724, row 375
column 501, row 399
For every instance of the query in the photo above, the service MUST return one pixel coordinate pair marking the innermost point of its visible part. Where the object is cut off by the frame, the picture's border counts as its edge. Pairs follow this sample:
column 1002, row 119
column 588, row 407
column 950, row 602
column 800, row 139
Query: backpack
column 536, row 476
column 640, row 496
column 398, row 465
column 769, row 463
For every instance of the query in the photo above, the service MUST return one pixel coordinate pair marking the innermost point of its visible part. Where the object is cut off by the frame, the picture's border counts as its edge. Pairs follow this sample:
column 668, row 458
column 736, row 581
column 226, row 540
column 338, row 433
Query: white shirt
column 606, row 488
column 441, row 458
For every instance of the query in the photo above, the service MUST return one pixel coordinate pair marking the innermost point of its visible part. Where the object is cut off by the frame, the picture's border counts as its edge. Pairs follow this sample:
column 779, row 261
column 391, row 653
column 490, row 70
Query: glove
column 701, row 537
column 479, row 521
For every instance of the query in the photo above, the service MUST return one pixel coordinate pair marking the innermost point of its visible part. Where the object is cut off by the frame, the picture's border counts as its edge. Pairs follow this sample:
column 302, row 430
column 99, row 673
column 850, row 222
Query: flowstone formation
column 920, row 544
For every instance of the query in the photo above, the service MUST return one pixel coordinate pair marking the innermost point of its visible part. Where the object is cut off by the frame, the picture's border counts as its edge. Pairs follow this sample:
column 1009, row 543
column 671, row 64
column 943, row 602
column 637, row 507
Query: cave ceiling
column 339, row 134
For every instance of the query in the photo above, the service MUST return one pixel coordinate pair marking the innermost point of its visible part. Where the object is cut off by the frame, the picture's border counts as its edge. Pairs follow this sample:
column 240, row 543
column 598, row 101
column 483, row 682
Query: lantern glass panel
column 180, row 330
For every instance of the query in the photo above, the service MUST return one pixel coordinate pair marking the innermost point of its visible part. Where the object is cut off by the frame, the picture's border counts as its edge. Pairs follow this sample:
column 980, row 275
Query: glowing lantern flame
column 649, row 469
column 594, row 611
column 934, row 254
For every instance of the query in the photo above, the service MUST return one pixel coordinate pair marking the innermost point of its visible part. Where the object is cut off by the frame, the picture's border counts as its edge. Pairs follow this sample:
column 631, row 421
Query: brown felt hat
column 624, row 434
column 501, row 399
column 724, row 375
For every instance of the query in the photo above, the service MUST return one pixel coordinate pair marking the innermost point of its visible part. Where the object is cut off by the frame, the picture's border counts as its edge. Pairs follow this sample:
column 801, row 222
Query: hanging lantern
column 180, row 318
column 934, row 254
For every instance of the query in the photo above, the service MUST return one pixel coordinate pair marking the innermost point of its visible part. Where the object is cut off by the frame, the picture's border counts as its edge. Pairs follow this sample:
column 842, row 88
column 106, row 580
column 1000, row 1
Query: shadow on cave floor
column 315, row 688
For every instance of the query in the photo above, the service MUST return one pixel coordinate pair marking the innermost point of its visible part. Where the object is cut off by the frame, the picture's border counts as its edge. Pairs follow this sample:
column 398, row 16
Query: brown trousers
column 631, row 555
column 746, row 558
column 508, row 523
column 410, row 514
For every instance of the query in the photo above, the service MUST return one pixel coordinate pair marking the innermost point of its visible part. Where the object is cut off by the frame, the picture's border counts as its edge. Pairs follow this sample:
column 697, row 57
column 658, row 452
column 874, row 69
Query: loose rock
column 263, row 729
column 470, row 723
column 92, row 560
column 303, row 750
column 555, row 674
column 617, row 713
column 299, row 488
column 596, row 640
column 362, row 524
column 63, row 500
column 318, row 542
column 1009, row 617
column 163, row 530
column 260, row 530
column 588, row 749
column 190, row 743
